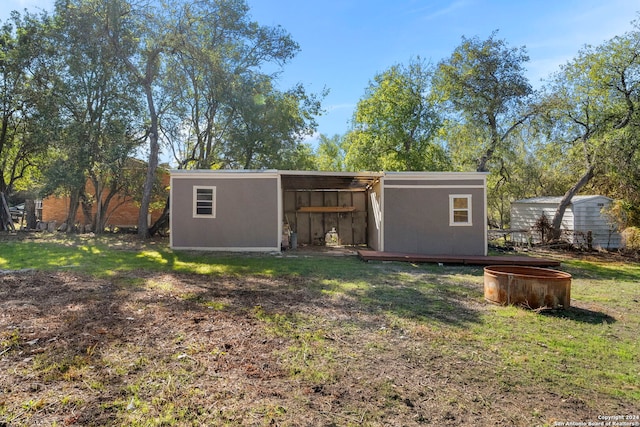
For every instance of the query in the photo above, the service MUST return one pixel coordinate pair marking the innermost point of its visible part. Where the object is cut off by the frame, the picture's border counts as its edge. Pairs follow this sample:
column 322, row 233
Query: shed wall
column 589, row 217
column 578, row 220
column 375, row 218
column 525, row 215
column 403, row 212
column 247, row 214
column 417, row 215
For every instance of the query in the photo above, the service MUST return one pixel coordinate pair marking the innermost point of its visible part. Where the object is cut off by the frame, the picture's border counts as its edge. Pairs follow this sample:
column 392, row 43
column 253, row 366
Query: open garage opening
column 329, row 209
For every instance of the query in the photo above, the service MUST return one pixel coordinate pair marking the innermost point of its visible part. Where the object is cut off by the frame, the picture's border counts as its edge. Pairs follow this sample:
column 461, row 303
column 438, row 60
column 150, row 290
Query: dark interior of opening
column 315, row 205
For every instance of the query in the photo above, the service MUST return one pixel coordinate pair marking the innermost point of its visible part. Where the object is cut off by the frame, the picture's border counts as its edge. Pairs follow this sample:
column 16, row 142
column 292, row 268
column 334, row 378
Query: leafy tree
column 330, row 154
column 97, row 108
column 216, row 76
column 529, row 168
column 620, row 176
column 269, row 128
column 142, row 33
column 484, row 86
column 395, row 123
column 195, row 62
column 592, row 106
column 23, row 132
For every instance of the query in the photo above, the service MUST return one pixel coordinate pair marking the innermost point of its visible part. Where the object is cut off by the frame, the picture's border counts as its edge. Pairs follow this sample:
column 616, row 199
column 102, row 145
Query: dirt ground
column 184, row 349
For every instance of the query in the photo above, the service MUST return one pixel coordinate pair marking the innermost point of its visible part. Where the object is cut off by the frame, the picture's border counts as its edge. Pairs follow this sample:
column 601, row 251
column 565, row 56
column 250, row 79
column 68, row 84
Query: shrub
column 631, row 239
column 543, row 226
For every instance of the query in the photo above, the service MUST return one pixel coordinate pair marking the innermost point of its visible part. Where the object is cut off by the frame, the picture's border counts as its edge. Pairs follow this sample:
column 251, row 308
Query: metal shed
column 416, row 212
column 584, row 215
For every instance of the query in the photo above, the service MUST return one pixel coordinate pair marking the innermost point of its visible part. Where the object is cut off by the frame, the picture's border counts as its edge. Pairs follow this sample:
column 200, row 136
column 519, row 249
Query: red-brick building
column 123, row 210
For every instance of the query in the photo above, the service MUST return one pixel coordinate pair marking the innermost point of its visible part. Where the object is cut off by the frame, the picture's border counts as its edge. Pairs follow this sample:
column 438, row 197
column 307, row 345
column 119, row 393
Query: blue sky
column 345, row 43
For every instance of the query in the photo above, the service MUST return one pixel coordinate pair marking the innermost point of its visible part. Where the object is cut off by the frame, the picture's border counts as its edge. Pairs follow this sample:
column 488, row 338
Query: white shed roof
column 555, row 200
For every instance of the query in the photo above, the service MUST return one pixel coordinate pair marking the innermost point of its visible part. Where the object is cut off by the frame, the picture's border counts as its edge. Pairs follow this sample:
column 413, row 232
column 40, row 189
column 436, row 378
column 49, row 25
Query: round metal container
column 531, row 287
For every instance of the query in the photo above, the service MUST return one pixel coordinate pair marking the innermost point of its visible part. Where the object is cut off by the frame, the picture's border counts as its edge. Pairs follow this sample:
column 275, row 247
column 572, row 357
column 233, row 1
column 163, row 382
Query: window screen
column 204, row 202
column 459, row 209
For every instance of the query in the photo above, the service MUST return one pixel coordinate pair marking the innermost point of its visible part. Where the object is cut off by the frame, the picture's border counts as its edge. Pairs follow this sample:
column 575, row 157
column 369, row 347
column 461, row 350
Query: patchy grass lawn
column 109, row 332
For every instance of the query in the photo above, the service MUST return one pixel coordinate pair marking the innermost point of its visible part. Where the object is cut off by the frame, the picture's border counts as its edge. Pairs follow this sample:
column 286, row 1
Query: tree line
column 476, row 110
column 97, row 83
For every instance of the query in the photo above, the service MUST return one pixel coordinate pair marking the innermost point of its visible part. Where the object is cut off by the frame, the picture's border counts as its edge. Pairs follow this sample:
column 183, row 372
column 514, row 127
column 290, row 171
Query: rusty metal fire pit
column 530, row 287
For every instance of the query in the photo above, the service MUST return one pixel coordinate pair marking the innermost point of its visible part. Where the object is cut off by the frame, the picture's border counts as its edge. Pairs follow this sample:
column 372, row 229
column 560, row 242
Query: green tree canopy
column 269, row 127
column 24, row 130
column 96, row 108
column 330, row 153
column 484, row 86
column 592, row 110
column 395, row 123
column 231, row 115
column 198, row 65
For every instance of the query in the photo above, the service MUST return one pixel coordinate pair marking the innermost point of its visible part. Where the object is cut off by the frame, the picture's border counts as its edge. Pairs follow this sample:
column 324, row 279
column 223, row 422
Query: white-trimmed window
column 460, row 209
column 204, row 202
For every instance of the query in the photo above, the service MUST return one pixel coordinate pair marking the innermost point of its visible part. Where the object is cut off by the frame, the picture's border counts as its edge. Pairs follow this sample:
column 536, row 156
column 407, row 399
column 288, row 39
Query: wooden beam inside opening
column 330, row 209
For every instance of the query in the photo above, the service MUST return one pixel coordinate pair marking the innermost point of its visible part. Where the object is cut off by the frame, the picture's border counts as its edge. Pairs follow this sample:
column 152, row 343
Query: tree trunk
column 487, row 156
column 154, row 150
column 6, row 222
column 566, row 201
column 162, row 222
column 106, row 205
column 74, row 202
column 30, row 212
column 87, row 207
column 98, row 218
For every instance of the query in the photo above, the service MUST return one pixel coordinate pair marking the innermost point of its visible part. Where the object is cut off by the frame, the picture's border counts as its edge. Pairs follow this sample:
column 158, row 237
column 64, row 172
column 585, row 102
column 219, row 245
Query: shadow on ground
column 582, row 315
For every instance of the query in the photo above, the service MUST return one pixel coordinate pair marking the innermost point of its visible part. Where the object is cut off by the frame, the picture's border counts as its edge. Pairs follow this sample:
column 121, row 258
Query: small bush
column 544, row 227
column 631, row 239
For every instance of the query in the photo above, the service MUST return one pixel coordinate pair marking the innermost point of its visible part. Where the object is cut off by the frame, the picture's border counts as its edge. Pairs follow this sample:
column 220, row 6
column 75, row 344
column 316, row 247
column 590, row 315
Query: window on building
column 204, row 202
column 460, row 209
